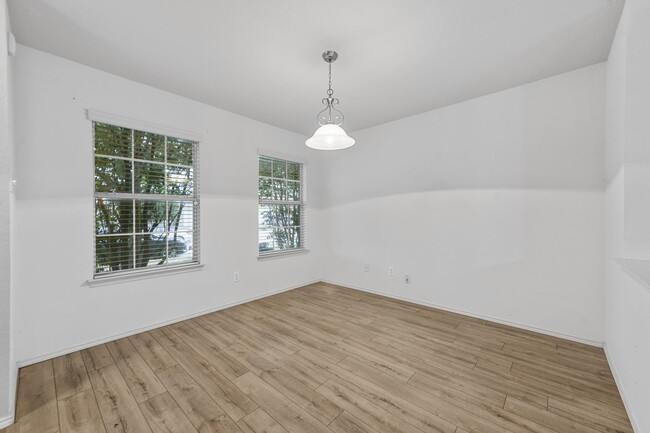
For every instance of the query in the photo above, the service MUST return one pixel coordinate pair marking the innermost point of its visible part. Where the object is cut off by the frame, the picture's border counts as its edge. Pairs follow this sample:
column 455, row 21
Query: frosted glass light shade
column 330, row 137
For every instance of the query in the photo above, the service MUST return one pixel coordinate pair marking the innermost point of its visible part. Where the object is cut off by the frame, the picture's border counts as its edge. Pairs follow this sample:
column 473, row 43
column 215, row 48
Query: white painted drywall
column 7, row 367
column 627, row 210
column 54, row 309
column 493, row 206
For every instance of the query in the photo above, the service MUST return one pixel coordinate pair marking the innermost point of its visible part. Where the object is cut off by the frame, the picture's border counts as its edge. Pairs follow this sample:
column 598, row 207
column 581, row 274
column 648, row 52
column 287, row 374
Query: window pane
column 150, row 250
column 181, row 216
column 293, row 170
column 148, row 146
column 113, row 216
column 293, row 191
column 266, row 167
column 265, row 189
column 265, row 216
column 179, row 151
column 179, row 180
column 291, row 215
column 279, row 215
column 180, row 247
column 149, row 178
column 150, row 216
column 279, row 169
column 112, row 140
column 113, row 253
column 112, row 175
column 279, row 189
column 286, row 238
column 166, row 233
column 265, row 239
column 165, row 248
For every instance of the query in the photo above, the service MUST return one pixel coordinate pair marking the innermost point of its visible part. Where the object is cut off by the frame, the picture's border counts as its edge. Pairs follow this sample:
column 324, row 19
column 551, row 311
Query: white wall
column 54, row 309
column 627, row 210
column 7, row 370
column 493, row 206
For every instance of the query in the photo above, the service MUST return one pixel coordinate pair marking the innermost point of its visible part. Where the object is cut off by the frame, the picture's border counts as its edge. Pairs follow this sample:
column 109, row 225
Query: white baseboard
column 621, row 390
column 86, row 345
column 476, row 315
column 6, row 421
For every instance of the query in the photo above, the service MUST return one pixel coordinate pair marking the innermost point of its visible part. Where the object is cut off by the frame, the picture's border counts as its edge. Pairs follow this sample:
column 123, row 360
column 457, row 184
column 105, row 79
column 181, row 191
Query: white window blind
column 146, row 198
column 281, row 210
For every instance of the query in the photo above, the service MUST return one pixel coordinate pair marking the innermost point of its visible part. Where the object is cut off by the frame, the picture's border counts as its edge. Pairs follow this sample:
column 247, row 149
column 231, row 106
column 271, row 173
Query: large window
column 146, row 201
column 281, row 211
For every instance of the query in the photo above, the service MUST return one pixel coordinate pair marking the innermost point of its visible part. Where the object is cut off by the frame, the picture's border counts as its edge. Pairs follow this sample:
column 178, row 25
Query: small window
column 281, row 211
column 146, row 201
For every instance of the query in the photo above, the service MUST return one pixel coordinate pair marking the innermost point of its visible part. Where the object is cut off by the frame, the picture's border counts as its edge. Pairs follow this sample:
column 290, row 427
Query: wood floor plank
column 551, row 388
column 452, row 406
column 309, row 400
column 549, row 419
column 378, row 360
column 152, row 351
column 230, row 398
column 224, row 363
column 204, row 414
column 119, row 409
column 209, row 332
column 457, row 376
column 371, row 414
column 97, row 357
column 70, row 375
column 603, row 423
column 489, row 396
column 37, row 409
column 246, row 335
column 165, row 336
column 385, row 397
column 586, row 382
column 244, row 427
column 284, row 411
column 307, row 375
column 347, row 423
column 141, row 380
column 590, row 406
column 165, row 416
column 80, row 413
column 261, row 422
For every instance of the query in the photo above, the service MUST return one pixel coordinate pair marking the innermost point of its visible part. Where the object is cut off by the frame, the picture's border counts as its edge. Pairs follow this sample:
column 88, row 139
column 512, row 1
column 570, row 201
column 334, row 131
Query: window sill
column 279, row 254
column 143, row 275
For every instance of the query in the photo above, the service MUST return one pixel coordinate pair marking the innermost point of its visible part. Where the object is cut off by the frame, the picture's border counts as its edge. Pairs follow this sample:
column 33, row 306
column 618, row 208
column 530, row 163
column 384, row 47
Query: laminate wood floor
column 324, row 359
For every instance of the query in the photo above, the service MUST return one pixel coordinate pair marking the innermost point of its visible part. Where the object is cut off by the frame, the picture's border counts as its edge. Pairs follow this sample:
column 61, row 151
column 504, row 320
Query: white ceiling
column 262, row 58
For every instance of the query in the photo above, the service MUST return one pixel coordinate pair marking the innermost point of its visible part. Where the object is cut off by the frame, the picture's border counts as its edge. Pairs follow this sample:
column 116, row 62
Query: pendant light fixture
column 330, row 135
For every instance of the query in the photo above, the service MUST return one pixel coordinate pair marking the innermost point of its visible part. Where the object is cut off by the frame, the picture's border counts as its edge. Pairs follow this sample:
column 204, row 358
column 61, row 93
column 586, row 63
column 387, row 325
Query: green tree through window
column 146, row 200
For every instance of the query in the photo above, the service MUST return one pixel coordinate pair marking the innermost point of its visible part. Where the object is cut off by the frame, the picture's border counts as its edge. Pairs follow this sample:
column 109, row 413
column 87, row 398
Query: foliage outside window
column 281, row 206
column 146, row 201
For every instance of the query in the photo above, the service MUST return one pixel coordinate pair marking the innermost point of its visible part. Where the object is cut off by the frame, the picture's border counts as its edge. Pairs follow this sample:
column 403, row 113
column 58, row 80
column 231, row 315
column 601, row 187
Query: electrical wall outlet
column 407, row 279
column 366, row 268
column 391, row 271
column 235, row 276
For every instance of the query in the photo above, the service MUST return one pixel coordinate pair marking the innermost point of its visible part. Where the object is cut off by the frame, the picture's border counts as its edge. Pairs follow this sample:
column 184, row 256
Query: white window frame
column 302, row 203
column 135, row 274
